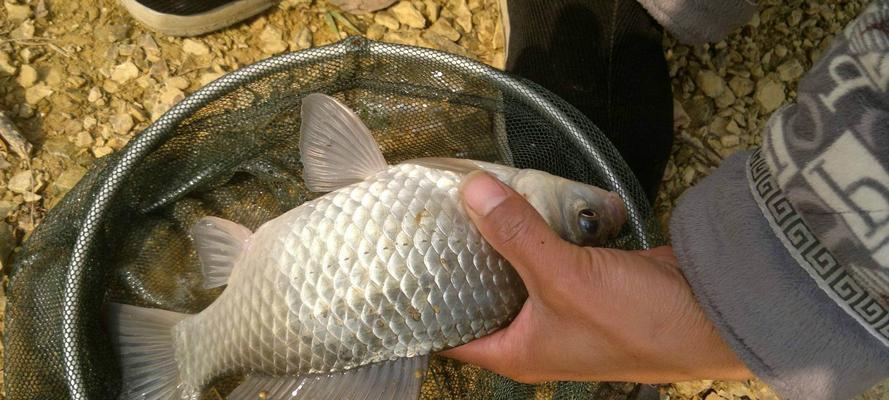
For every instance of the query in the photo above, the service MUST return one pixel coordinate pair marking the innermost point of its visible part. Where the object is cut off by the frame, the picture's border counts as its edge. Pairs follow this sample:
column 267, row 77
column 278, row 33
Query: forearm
column 767, row 308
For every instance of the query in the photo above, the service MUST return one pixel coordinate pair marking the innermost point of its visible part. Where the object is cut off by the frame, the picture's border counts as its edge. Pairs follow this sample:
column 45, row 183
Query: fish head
column 582, row 214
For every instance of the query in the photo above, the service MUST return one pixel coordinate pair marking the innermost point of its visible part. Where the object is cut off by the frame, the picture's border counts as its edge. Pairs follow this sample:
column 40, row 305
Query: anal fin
column 388, row 380
column 219, row 242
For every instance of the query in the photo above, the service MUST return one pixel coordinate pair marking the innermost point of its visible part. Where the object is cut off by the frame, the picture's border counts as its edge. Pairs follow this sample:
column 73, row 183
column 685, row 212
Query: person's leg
column 605, row 58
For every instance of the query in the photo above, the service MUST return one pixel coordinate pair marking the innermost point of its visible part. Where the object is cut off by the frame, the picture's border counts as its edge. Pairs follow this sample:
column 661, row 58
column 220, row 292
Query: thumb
column 514, row 228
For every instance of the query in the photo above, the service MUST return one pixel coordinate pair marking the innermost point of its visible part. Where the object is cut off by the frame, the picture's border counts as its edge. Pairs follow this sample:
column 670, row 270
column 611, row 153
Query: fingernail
column 482, row 192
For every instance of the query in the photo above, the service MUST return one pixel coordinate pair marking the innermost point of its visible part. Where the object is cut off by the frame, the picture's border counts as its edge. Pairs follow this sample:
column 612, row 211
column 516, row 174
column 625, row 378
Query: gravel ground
column 78, row 79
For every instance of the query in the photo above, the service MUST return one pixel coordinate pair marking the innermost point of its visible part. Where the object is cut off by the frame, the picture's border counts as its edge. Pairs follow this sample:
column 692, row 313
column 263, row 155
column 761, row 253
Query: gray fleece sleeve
column 700, row 21
column 779, row 323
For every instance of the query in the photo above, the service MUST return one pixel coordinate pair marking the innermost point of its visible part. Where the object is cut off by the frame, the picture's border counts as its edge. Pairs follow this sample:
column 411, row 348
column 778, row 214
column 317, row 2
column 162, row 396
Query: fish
column 346, row 295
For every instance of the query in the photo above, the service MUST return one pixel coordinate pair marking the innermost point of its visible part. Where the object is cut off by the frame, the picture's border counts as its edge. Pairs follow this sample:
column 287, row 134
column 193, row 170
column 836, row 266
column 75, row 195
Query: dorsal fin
column 388, row 380
column 219, row 242
column 335, row 147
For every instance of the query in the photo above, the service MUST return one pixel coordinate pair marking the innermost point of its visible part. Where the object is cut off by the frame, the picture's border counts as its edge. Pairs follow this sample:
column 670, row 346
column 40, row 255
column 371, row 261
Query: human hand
column 591, row 313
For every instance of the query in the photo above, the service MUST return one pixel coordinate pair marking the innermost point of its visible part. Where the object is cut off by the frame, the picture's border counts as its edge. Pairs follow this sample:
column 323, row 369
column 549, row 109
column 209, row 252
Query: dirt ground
column 78, row 79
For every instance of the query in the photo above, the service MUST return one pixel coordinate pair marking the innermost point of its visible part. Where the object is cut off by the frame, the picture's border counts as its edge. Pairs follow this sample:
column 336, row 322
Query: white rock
column 271, row 40
column 790, row 70
column 124, row 72
column 20, row 182
column 386, row 19
column 405, row 13
column 195, row 47
column 769, row 94
column 27, row 76
column 712, row 85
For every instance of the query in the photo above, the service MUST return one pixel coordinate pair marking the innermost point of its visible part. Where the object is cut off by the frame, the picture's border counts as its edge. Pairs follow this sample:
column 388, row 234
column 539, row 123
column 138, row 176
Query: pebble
column 375, row 32
column 712, row 84
column 443, row 27
column 178, row 82
column 388, row 20
column 769, row 94
column 7, row 239
column 27, row 76
column 18, row 12
column 407, row 14
column 730, row 140
column 741, row 86
column 6, row 207
column 122, row 123
column 680, row 117
column 208, row 77
column 362, row 6
column 36, row 93
column 790, row 70
column 195, row 47
column 20, row 182
column 463, row 16
column 67, row 180
column 304, row 39
column 102, row 151
column 94, row 95
column 691, row 388
column 433, row 10
column 83, row 139
column 6, row 64
column 124, row 72
column 725, row 100
column 271, row 40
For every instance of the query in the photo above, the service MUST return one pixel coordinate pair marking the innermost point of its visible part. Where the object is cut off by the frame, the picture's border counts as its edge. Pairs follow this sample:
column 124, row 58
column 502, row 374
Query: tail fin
column 144, row 341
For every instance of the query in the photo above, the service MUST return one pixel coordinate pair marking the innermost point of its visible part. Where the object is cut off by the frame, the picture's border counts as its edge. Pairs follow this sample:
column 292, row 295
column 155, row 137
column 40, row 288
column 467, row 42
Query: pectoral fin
column 219, row 243
column 335, row 147
column 388, row 380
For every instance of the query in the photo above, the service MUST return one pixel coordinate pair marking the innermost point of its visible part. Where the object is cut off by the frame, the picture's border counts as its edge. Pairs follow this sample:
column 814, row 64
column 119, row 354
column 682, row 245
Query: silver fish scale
column 389, row 267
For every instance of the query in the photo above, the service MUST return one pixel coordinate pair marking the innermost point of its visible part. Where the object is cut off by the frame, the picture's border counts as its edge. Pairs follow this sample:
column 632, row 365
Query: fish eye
column 589, row 221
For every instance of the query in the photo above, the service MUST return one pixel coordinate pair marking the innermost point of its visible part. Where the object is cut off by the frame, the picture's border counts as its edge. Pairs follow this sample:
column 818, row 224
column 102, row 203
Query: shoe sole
column 198, row 24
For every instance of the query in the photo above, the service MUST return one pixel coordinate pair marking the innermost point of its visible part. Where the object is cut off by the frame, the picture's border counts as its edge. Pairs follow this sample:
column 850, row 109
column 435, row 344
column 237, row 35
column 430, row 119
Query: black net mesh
column 230, row 150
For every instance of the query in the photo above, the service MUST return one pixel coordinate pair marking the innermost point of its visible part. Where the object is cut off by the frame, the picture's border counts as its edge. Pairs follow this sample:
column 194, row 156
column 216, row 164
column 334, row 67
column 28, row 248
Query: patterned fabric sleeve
column 807, row 304
column 700, row 21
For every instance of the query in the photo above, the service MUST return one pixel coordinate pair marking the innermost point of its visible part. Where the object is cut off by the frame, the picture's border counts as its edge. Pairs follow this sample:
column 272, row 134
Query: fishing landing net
column 230, row 150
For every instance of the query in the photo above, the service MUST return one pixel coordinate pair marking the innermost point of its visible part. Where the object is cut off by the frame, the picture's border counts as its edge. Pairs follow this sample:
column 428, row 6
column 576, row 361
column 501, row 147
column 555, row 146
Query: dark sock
column 606, row 59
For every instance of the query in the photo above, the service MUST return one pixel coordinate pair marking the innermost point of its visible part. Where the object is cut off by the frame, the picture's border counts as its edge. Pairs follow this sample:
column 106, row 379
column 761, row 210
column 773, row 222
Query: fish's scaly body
column 388, row 267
